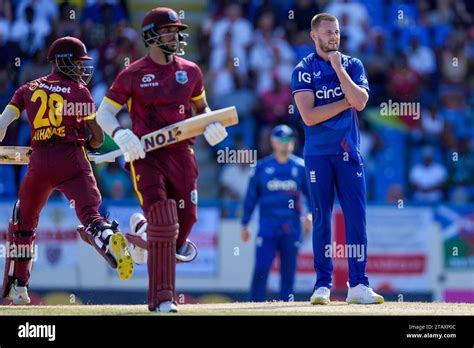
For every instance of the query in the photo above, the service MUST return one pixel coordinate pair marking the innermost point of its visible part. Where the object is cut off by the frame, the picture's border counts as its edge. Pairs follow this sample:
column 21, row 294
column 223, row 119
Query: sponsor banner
column 398, row 252
column 204, row 234
column 456, row 295
column 57, row 242
column 457, row 233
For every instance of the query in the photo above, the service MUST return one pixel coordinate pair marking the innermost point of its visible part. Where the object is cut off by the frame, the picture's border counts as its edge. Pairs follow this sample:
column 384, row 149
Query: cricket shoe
column 167, row 307
column 137, row 238
column 321, row 296
column 118, row 248
column 362, row 294
column 18, row 295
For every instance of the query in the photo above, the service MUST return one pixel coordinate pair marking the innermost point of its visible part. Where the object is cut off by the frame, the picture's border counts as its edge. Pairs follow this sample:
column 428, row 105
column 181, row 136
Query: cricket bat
column 180, row 131
column 171, row 134
column 21, row 155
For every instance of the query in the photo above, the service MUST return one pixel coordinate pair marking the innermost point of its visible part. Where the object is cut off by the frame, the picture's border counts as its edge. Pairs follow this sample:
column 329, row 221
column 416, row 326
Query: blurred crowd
column 413, row 51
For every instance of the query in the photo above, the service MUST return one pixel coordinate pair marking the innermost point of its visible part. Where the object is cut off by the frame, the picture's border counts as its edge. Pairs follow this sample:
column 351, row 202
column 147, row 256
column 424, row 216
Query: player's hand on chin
column 215, row 133
column 129, row 144
column 335, row 59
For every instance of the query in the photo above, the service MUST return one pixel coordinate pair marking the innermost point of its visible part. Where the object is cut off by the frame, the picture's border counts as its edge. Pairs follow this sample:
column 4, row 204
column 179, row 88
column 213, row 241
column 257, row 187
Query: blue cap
column 283, row 133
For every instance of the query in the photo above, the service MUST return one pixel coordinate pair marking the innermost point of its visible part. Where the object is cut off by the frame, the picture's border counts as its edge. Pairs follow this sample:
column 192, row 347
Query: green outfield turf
column 245, row 308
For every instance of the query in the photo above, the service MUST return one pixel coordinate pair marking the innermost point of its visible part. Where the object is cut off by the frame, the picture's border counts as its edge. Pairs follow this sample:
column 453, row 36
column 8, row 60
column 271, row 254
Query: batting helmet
column 158, row 18
column 64, row 51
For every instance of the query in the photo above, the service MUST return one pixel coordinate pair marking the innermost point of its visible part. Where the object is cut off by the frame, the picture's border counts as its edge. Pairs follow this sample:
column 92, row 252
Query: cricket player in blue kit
column 276, row 185
column 328, row 88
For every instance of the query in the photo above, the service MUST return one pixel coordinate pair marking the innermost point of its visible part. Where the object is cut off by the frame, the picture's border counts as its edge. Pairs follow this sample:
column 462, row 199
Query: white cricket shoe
column 167, row 307
column 139, row 255
column 362, row 294
column 321, row 296
column 19, row 295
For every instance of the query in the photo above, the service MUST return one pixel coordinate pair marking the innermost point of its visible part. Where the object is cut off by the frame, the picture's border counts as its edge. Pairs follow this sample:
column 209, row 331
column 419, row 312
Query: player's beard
column 327, row 47
column 171, row 46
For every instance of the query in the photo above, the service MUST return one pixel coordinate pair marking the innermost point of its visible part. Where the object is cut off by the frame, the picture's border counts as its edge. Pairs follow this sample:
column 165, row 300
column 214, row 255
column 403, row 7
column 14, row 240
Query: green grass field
column 243, row 308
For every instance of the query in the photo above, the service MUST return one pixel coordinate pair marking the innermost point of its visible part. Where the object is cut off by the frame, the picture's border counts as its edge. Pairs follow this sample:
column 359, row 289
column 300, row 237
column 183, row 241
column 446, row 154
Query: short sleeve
column 301, row 79
column 358, row 74
column 120, row 91
column 17, row 102
column 89, row 100
column 198, row 90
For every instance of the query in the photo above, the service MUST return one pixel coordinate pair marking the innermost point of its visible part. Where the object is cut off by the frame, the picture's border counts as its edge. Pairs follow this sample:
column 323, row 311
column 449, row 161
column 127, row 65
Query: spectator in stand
column 5, row 20
column 68, row 22
column 30, row 32
column 99, row 11
column 428, row 179
column 404, row 83
column 421, row 58
column 224, row 77
column 270, row 53
column 377, row 59
column 227, row 53
column 454, row 63
column 302, row 13
column 354, row 21
column 274, row 104
column 462, row 179
column 118, row 50
column 45, row 9
column 36, row 68
column 233, row 180
column 434, row 129
column 239, row 27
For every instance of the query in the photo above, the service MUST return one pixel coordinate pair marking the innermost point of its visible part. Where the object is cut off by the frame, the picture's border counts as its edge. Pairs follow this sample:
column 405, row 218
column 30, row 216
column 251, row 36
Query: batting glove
column 129, row 144
column 215, row 133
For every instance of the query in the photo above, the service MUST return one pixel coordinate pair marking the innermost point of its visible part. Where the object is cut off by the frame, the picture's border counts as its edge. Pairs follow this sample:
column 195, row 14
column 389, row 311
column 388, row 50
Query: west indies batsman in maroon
column 59, row 107
column 157, row 96
column 160, row 89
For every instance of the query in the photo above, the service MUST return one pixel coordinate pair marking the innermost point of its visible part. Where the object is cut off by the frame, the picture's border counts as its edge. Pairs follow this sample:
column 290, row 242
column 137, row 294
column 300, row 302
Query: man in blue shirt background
column 328, row 88
column 276, row 184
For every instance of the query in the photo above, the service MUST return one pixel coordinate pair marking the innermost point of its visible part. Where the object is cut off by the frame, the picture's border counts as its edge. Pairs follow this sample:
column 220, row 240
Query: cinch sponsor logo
column 326, row 93
column 37, row 331
column 281, row 185
column 56, row 89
